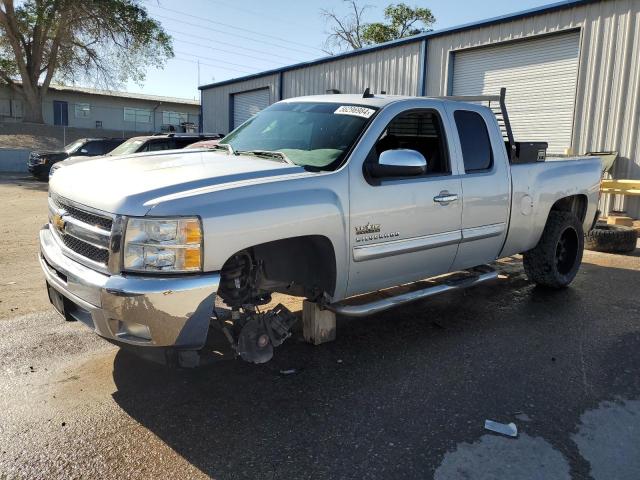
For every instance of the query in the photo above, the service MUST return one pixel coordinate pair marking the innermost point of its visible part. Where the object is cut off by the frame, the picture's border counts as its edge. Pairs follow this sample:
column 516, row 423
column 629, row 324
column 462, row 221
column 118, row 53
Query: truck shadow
column 396, row 391
column 23, row 180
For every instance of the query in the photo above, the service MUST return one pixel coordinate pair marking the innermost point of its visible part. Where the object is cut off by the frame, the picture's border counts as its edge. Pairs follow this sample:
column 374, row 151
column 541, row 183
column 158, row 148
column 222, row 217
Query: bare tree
column 350, row 31
column 344, row 31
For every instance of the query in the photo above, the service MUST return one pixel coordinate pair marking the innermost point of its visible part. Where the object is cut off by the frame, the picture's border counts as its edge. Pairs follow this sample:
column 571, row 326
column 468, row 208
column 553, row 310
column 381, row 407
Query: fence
column 13, row 159
column 18, row 139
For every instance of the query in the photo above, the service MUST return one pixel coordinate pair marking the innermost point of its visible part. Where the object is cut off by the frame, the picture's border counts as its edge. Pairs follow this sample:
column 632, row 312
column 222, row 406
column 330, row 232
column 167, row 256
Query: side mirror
column 399, row 163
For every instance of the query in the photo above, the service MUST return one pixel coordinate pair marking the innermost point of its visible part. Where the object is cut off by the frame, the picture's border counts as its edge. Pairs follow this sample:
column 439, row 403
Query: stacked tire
column 611, row 239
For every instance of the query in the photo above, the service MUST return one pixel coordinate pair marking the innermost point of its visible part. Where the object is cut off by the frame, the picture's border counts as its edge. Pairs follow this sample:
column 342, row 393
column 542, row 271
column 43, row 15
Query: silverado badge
column 368, row 228
column 372, row 232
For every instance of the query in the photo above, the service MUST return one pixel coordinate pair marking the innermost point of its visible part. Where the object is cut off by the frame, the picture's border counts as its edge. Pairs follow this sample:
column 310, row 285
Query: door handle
column 444, row 198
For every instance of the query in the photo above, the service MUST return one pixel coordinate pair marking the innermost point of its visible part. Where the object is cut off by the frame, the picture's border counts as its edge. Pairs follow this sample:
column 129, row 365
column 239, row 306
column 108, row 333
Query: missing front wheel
column 254, row 335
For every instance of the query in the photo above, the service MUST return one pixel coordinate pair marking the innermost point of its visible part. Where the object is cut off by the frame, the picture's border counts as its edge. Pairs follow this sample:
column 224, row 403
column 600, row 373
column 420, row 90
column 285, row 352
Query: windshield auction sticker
column 363, row 112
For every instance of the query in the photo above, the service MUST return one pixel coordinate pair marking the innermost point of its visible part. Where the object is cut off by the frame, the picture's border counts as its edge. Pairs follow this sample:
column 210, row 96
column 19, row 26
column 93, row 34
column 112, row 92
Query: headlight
column 163, row 245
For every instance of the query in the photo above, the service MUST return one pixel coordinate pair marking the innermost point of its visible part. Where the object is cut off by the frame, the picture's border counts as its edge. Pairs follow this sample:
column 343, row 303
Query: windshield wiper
column 266, row 154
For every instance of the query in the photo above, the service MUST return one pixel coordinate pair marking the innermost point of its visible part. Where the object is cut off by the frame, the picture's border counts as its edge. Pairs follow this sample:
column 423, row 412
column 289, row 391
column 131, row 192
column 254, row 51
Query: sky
column 231, row 39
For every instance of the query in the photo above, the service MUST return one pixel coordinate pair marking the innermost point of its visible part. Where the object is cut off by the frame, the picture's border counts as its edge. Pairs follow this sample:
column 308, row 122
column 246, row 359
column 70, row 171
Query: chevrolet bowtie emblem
column 58, row 222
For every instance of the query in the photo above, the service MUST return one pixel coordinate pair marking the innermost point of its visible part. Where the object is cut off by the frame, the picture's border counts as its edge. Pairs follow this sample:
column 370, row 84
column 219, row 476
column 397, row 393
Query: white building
column 90, row 108
column 571, row 69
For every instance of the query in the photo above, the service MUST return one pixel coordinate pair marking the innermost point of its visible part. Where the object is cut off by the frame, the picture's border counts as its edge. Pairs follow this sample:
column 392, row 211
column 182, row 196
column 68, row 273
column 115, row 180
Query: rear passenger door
column 486, row 187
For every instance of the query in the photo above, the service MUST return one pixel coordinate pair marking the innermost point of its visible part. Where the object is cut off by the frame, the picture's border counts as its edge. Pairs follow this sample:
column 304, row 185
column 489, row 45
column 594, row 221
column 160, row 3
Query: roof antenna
column 367, row 93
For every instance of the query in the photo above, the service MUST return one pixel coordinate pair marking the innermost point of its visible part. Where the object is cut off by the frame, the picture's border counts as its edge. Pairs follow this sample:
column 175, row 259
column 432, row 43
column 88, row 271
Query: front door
column 60, row 113
column 405, row 229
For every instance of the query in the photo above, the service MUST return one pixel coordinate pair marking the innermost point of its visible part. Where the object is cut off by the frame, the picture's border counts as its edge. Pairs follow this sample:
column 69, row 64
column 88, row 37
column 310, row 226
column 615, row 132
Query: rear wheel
column 555, row 260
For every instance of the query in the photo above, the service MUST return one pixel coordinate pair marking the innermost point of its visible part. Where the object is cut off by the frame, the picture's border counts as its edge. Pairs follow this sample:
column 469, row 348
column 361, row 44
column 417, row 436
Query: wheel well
column 302, row 266
column 308, row 262
column 577, row 204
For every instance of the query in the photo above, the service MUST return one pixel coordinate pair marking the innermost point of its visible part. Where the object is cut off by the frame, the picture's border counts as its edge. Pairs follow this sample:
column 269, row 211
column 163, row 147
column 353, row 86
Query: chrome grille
column 34, row 159
column 82, row 215
column 85, row 249
column 85, row 234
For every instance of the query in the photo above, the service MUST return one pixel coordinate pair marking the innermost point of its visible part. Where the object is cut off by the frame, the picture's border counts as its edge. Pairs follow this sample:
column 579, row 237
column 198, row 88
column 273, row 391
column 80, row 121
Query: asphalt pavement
column 402, row 394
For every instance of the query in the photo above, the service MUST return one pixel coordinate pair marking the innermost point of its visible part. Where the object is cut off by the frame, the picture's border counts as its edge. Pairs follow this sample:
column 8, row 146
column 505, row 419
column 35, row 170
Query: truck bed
column 535, row 189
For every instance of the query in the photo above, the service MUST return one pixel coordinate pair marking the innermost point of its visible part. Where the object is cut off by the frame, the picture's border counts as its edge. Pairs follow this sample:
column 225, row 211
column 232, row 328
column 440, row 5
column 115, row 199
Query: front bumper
column 131, row 309
column 38, row 169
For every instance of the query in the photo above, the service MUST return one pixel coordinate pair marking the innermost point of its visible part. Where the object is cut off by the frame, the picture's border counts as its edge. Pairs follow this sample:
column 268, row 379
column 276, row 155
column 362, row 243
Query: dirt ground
column 23, row 203
column 402, row 394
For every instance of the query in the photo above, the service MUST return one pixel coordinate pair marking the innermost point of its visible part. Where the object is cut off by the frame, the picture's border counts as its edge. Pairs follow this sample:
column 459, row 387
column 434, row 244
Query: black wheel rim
column 567, row 250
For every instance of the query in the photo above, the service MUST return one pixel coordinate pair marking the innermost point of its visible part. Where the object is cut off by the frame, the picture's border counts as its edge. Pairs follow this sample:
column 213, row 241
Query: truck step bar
column 465, row 279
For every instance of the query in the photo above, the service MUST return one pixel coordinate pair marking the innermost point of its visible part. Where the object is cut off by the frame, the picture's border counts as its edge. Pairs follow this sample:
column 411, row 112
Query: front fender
column 239, row 218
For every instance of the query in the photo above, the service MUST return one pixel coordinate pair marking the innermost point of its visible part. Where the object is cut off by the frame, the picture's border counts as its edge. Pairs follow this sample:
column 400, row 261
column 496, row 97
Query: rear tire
column 555, row 260
column 611, row 239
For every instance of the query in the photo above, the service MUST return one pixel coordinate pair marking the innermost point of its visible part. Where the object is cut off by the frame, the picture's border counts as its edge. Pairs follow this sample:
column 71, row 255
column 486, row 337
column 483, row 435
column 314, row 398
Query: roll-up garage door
column 540, row 76
column 247, row 104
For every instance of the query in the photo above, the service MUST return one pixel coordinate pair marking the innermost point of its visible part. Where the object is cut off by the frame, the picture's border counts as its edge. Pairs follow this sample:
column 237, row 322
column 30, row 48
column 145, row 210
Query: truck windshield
column 130, row 146
column 73, row 146
column 308, row 134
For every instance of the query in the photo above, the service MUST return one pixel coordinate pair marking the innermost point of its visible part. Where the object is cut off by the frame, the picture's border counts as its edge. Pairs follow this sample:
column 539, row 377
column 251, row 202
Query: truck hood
column 72, row 160
column 132, row 185
column 43, row 153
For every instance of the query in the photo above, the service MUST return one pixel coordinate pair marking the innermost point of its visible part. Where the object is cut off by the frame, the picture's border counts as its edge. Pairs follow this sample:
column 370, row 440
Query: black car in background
column 161, row 141
column 40, row 162
column 150, row 143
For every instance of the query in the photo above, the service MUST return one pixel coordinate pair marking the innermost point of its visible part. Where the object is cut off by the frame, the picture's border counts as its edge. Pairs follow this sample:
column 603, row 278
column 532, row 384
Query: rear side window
column 161, row 145
column 94, row 148
column 183, row 142
column 474, row 139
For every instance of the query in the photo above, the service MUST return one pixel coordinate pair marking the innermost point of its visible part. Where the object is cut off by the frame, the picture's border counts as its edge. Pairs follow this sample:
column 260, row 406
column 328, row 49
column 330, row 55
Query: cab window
column 419, row 130
column 474, row 141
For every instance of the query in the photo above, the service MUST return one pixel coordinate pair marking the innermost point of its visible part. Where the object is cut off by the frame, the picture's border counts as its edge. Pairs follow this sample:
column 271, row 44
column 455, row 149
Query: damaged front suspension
column 254, row 335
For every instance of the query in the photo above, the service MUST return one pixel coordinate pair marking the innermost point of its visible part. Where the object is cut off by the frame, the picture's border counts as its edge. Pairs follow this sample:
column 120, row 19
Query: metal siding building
column 391, row 70
column 572, row 72
column 217, row 103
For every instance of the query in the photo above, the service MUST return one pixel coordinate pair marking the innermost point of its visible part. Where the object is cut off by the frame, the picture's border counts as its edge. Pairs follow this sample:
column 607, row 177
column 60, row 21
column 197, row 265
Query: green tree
column 401, row 21
column 105, row 42
column 350, row 31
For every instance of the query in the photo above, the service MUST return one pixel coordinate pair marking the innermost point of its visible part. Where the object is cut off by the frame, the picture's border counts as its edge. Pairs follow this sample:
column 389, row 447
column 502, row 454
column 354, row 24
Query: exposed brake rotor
column 254, row 344
column 261, row 332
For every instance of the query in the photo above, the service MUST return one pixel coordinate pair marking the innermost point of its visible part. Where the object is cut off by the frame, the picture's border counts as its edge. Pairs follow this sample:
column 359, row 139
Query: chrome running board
column 479, row 275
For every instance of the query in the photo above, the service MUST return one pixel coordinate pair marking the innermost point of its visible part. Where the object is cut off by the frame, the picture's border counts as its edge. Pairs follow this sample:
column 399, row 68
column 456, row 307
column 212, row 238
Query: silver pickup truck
column 324, row 197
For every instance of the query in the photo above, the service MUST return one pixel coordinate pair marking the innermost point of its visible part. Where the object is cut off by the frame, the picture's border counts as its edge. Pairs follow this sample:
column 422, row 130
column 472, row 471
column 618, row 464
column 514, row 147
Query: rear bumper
column 132, row 310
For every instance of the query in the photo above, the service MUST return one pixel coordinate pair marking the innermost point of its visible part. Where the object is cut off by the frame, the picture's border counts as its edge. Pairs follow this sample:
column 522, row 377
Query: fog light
column 133, row 329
